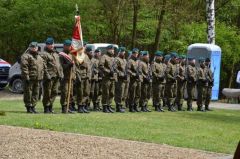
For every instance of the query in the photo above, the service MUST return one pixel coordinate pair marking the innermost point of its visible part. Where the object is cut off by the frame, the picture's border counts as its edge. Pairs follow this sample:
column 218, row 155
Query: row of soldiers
column 130, row 82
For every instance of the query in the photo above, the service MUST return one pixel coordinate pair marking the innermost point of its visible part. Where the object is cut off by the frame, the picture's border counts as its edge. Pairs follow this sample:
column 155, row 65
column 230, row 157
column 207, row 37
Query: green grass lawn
column 217, row 131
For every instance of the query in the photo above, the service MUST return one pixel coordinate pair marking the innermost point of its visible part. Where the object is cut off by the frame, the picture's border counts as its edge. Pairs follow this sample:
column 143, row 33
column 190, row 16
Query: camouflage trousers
column 170, row 92
column 158, row 92
column 119, row 91
column 190, row 93
column 108, row 90
column 50, row 91
column 201, row 95
column 208, row 95
column 96, row 91
column 180, row 93
column 64, row 91
column 144, row 93
column 134, row 92
column 82, row 91
column 31, row 91
column 125, row 95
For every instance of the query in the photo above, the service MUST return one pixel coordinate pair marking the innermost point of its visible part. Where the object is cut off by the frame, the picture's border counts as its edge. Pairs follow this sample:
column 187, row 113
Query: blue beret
column 67, row 42
column 207, row 60
column 135, row 50
column 182, row 56
column 174, row 55
column 201, row 59
column 89, row 49
column 167, row 57
column 144, row 53
column 33, row 44
column 158, row 53
column 191, row 58
column 121, row 49
column 110, row 47
column 97, row 51
column 49, row 41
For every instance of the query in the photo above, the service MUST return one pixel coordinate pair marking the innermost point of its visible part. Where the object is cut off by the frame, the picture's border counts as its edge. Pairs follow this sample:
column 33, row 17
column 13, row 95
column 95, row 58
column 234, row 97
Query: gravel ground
column 16, row 142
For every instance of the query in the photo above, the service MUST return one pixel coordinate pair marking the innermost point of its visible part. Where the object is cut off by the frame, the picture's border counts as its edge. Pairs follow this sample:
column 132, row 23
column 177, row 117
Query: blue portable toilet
column 214, row 53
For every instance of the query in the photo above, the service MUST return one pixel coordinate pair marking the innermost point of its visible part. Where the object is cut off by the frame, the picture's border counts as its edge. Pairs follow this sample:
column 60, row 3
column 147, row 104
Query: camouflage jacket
column 121, row 66
column 171, row 72
column 68, row 67
column 52, row 62
column 32, row 66
column 108, row 66
column 158, row 72
column 191, row 74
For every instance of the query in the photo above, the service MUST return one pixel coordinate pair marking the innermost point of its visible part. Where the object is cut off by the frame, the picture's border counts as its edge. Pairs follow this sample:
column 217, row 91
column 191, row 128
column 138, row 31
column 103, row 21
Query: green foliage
column 216, row 131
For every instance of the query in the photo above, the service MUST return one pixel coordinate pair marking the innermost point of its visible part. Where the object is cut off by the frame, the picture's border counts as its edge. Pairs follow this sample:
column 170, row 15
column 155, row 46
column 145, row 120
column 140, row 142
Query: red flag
column 77, row 41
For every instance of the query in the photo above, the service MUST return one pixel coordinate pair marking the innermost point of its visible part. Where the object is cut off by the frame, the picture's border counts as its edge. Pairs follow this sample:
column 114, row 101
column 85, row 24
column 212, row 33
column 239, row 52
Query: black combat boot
column 143, row 108
column 46, row 110
column 29, row 110
column 85, row 109
column 80, row 109
column 146, row 108
column 207, row 108
column 72, row 107
column 119, row 108
column 180, row 108
column 156, row 108
column 189, row 108
column 135, row 107
column 110, row 109
column 131, row 108
column 160, row 108
column 64, row 109
column 51, row 109
column 33, row 110
column 105, row 109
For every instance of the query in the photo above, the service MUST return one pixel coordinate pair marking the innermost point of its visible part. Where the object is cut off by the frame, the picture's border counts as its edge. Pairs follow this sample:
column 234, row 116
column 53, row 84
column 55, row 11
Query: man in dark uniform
column 108, row 66
column 32, row 69
column 52, row 75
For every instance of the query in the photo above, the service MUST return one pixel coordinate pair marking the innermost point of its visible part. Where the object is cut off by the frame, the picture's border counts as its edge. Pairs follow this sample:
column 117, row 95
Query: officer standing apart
column 157, row 83
column 68, row 74
column 121, row 64
column 191, row 82
column 32, row 69
column 52, row 75
column 108, row 66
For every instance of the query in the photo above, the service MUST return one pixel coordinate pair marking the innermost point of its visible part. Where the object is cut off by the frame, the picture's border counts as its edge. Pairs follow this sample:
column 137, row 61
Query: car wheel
column 17, row 86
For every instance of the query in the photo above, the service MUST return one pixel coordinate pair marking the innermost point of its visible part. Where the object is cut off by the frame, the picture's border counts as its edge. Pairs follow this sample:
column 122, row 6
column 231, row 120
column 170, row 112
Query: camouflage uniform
column 170, row 86
column 181, row 84
column 108, row 66
column 52, row 75
column 82, row 84
column 135, row 81
column 95, row 84
column 191, row 83
column 201, row 87
column 32, row 68
column 210, row 82
column 121, row 65
column 157, row 85
column 69, row 69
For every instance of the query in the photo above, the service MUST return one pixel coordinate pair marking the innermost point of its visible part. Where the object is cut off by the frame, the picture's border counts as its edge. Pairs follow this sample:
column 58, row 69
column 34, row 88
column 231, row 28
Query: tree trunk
column 159, row 27
column 210, row 21
column 135, row 18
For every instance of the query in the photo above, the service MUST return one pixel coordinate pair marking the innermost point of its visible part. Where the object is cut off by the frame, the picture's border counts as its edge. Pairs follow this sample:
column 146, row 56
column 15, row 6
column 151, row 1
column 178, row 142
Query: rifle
column 149, row 75
column 113, row 68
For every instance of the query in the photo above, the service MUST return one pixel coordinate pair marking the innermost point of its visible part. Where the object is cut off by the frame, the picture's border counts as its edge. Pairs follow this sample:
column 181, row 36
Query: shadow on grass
column 214, row 117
